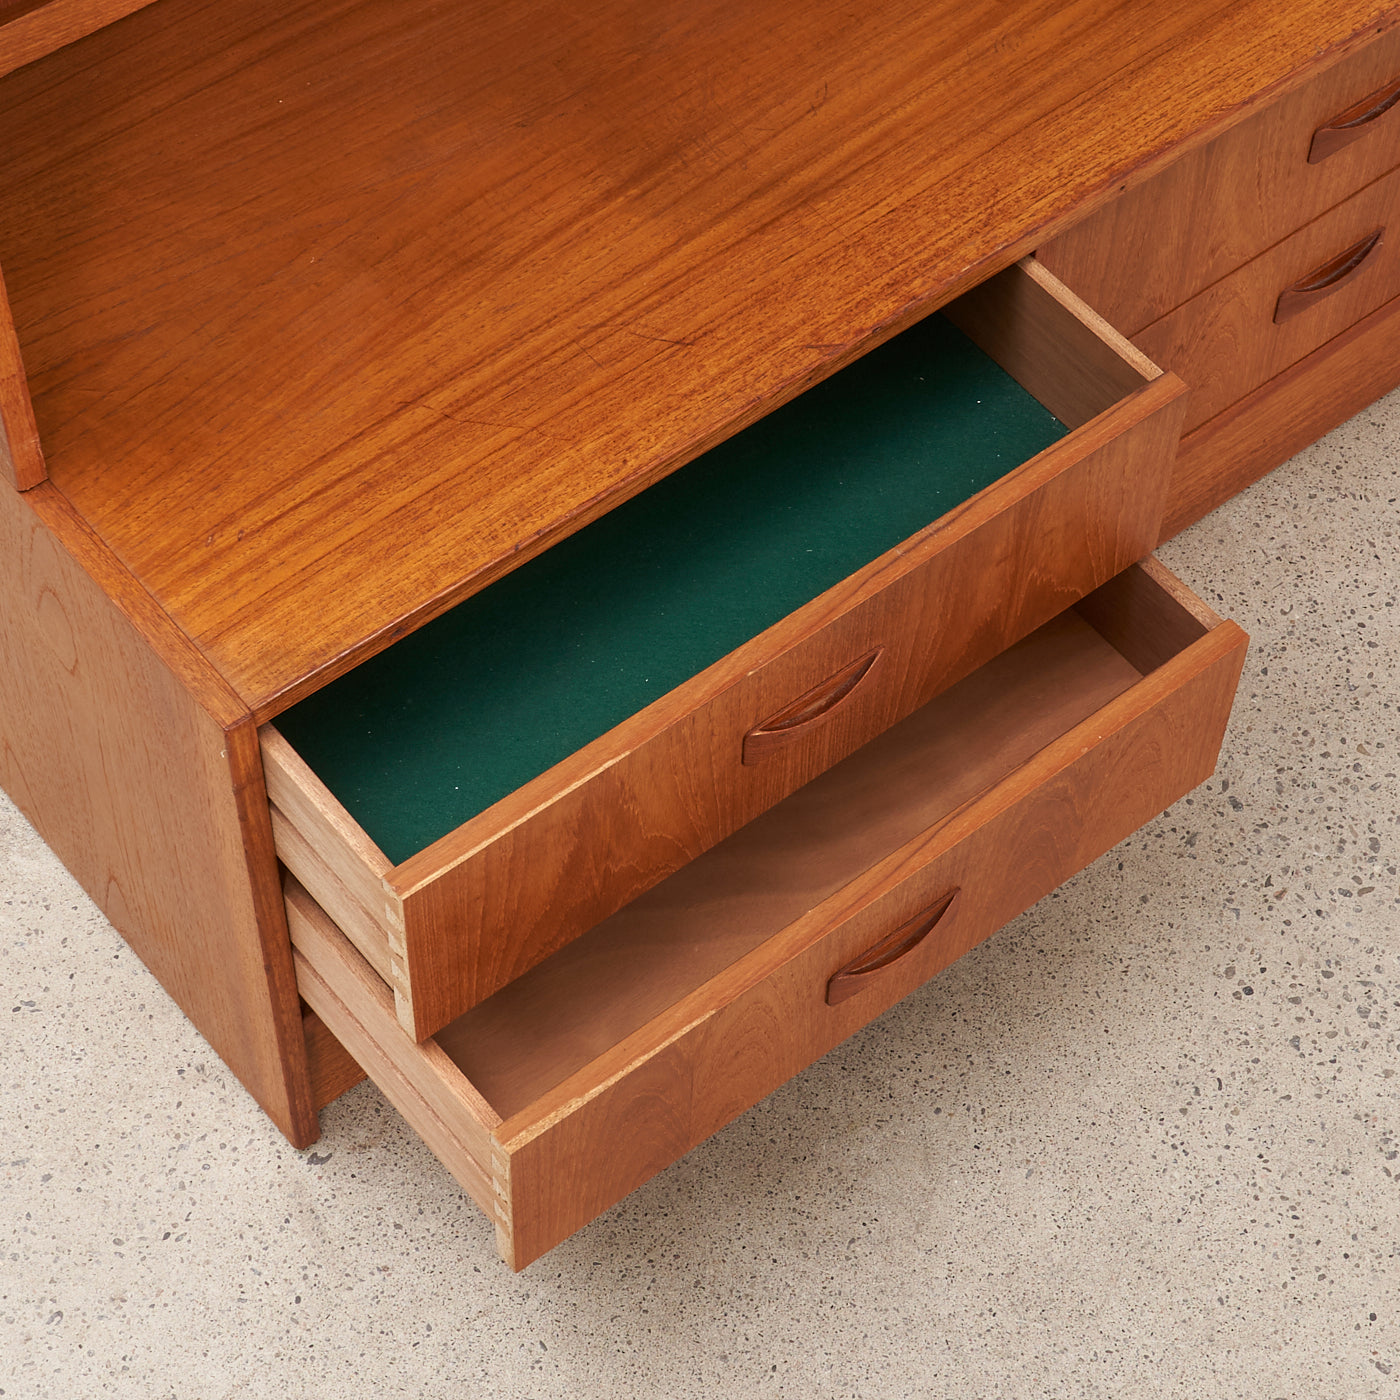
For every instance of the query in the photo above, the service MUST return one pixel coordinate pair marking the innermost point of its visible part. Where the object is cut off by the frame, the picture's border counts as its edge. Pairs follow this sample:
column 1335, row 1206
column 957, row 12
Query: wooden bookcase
column 320, row 320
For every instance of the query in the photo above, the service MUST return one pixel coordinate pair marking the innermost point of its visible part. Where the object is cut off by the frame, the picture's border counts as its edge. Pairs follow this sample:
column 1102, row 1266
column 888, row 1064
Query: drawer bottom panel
column 553, row 1100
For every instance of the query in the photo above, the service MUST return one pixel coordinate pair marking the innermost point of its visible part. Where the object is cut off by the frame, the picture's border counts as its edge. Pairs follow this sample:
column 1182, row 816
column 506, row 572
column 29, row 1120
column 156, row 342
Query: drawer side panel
column 460, row 1156
column 363, row 928
column 323, row 947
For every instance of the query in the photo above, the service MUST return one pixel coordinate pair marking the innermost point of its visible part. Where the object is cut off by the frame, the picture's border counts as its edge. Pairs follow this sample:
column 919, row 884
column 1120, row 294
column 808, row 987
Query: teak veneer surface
column 29, row 29
column 1250, row 438
column 1226, row 339
column 164, row 822
column 333, row 313
column 1228, row 201
column 21, row 457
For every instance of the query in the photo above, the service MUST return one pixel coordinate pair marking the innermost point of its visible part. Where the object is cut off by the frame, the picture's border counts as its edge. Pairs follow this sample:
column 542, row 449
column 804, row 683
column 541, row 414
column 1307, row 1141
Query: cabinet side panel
column 137, row 767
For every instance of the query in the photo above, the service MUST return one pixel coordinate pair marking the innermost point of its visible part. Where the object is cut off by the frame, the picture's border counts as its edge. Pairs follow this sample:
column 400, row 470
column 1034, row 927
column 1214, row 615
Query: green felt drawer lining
column 517, row 677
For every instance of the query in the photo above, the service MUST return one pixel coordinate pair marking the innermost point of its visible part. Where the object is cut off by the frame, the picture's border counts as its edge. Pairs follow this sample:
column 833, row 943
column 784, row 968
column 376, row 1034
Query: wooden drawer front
column 654, row 1039
column 1162, row 242
column 474, row 910
column 1267, row 315
column 1283, row 416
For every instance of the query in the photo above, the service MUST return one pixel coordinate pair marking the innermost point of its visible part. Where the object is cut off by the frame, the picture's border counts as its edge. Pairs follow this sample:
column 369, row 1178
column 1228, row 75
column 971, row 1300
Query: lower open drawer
column 569, row 1087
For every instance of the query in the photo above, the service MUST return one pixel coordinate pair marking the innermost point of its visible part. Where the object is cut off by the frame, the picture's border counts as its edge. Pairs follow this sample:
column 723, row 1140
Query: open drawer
column 793, row 669
column 564, row 1091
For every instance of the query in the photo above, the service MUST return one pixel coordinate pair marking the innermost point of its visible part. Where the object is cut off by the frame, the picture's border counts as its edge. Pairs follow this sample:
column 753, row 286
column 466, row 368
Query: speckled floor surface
column 1142, row 1143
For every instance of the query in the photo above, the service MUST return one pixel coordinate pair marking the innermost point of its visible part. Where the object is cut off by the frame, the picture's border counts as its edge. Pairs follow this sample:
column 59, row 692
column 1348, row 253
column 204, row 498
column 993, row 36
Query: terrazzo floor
column 1141, row 1143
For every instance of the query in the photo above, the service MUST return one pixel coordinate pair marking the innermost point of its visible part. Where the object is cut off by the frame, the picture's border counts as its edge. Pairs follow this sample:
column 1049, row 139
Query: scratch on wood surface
column 523, row 429
column 662, row 339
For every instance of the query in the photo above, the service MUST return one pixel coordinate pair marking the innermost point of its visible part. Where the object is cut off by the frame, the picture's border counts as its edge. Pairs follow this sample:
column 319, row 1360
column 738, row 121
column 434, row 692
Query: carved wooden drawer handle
column 1346, row 126
column 1325, row 280
column 859, row 973
column 796, row 720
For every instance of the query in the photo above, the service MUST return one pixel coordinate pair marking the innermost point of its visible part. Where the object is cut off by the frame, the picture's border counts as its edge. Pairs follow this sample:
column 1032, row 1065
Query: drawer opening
column 601, row 699
column 606, row 985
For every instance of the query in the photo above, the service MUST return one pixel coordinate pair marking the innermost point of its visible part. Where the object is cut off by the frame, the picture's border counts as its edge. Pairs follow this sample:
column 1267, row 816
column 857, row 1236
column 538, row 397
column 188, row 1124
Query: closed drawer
column 1283, row 416
column 1159, row 244
column 1273, row 311
column 564, row 1091
column 448, row 924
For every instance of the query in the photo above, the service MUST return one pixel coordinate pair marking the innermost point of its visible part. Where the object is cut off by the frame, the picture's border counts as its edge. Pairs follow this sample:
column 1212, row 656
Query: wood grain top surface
column 334, row 312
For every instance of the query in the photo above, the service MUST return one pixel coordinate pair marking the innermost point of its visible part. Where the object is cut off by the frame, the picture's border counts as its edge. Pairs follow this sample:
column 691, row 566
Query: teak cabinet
column 509, row 587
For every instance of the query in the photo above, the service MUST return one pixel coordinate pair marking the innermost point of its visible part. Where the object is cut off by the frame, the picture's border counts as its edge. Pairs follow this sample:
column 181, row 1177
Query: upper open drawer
column 481, row 794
